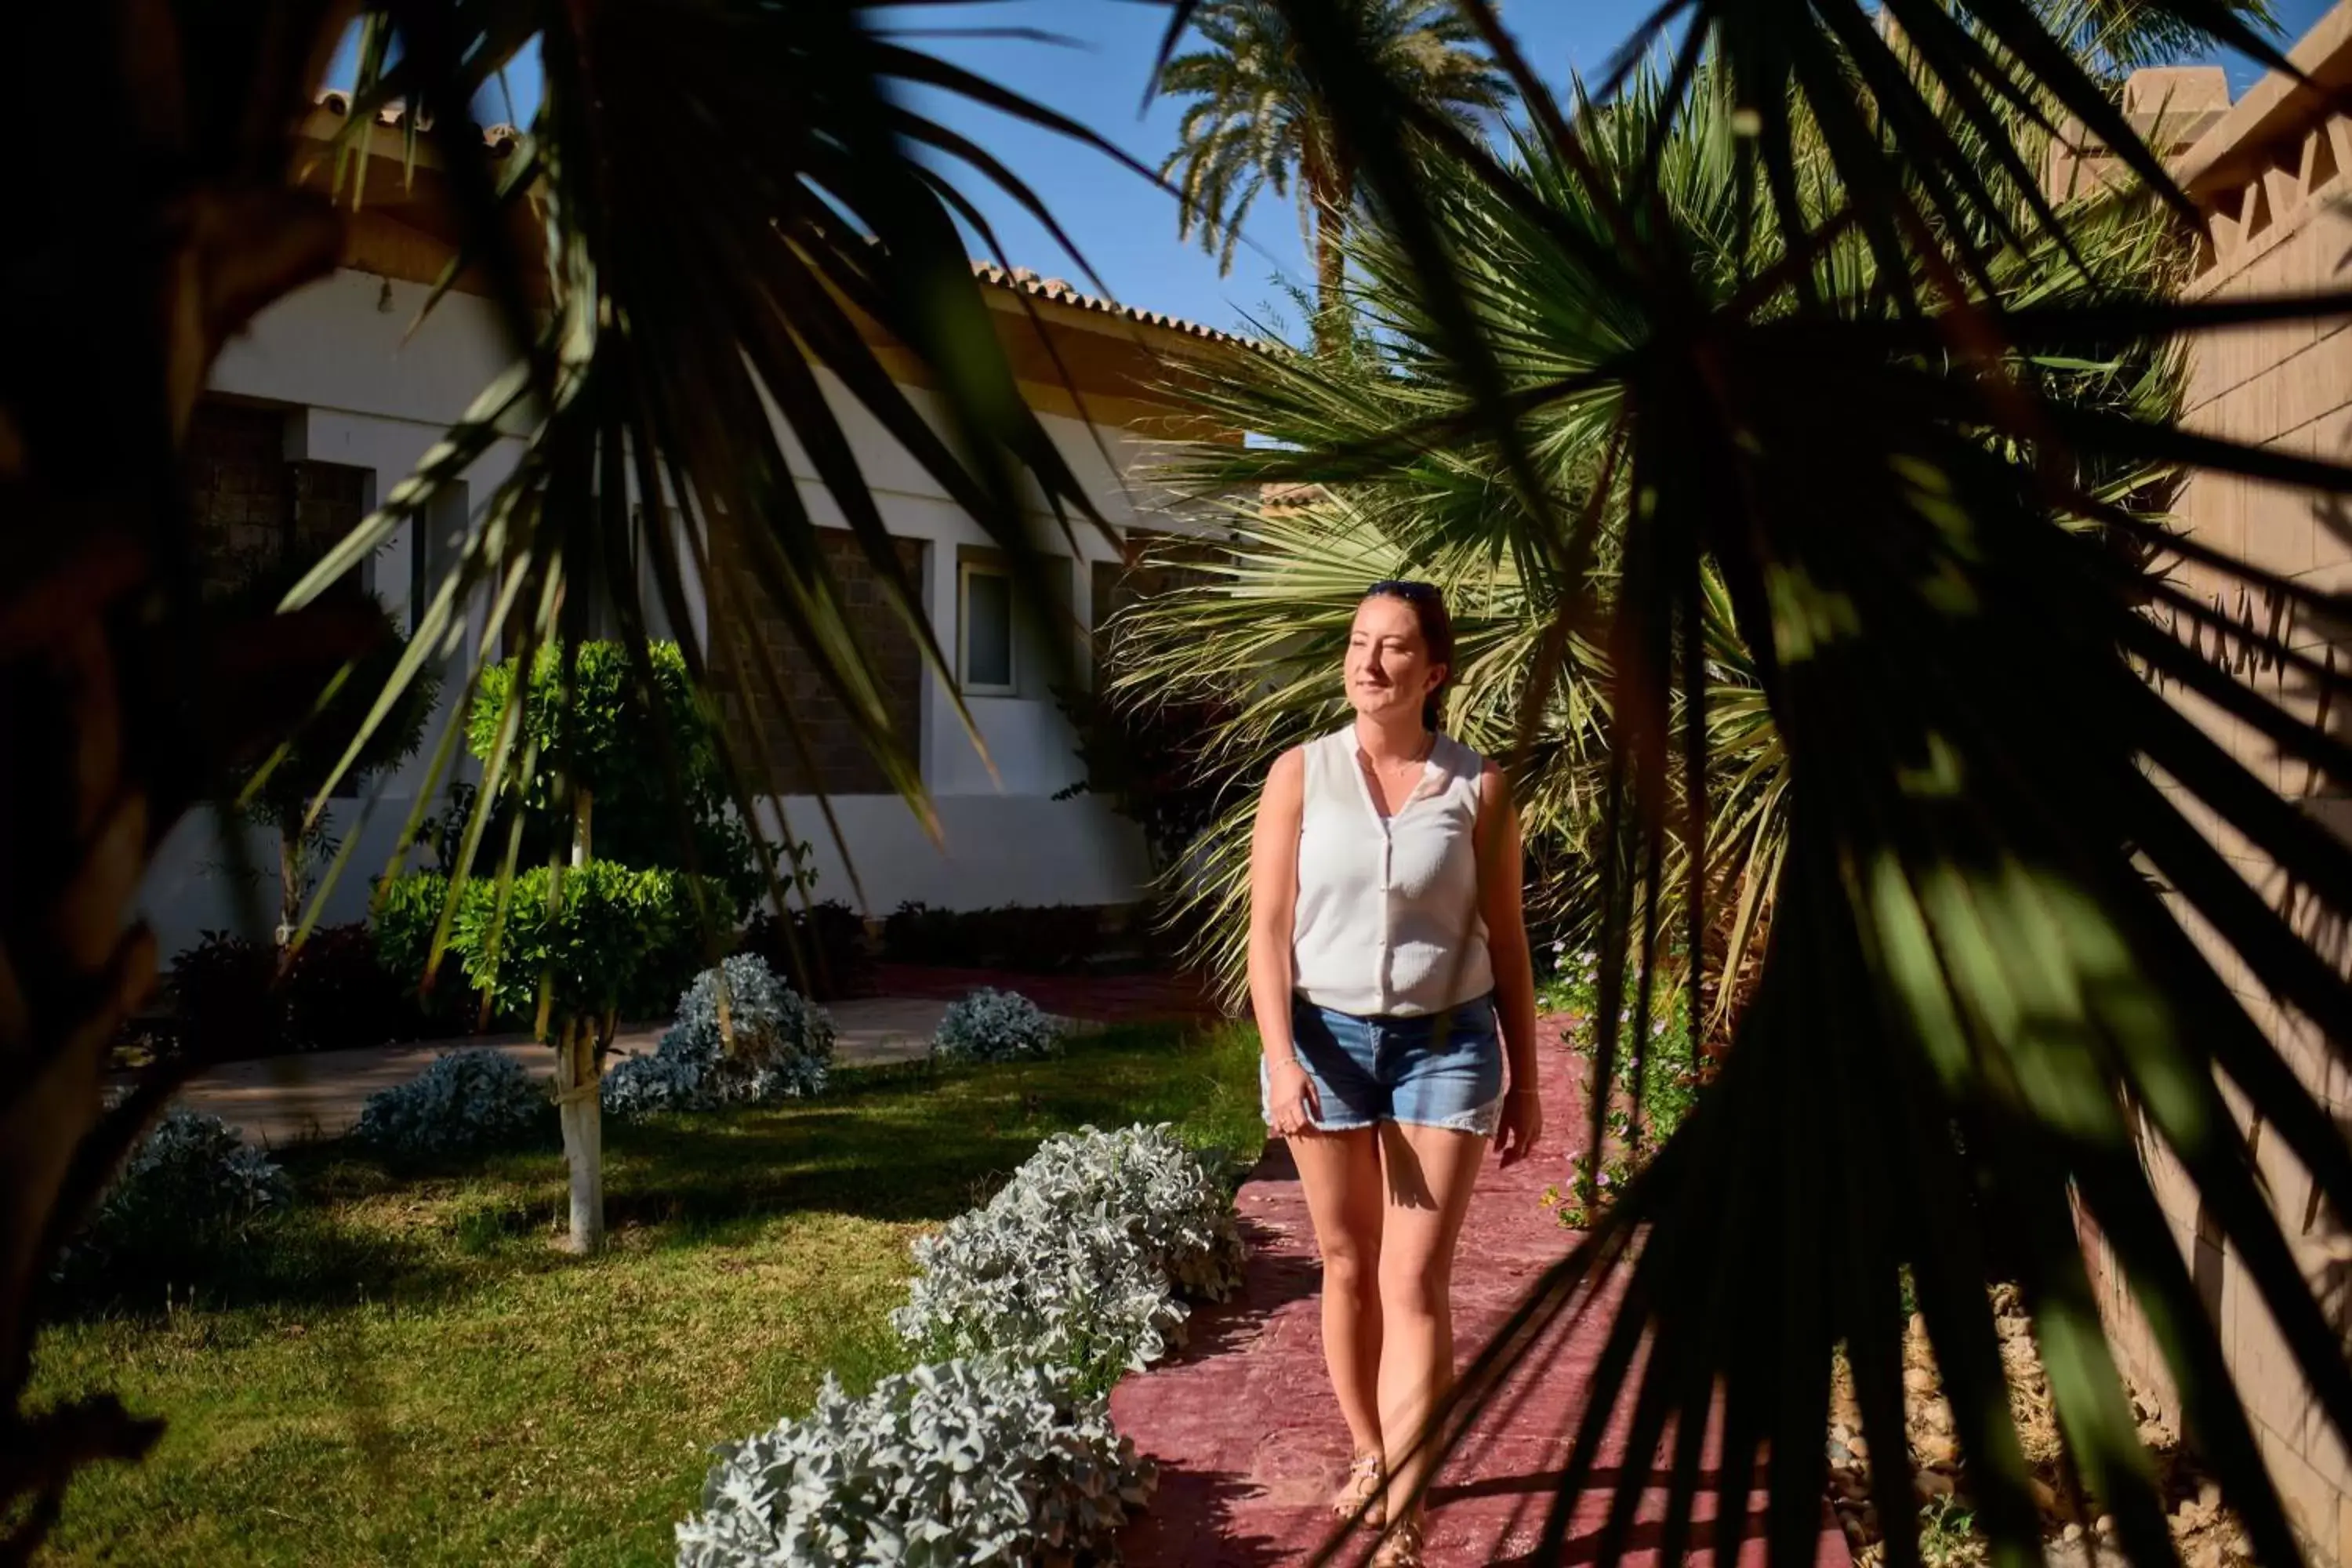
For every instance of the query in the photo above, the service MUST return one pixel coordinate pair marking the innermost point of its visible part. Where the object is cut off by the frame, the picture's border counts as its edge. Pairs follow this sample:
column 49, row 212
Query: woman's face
column 1389, row 671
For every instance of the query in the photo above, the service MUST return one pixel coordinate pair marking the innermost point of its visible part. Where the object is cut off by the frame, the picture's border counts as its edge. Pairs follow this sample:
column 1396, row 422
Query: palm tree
column 1258, row 637
column 1830, row 406
column 727, row 192
column 729, row 198
column 1256, row 120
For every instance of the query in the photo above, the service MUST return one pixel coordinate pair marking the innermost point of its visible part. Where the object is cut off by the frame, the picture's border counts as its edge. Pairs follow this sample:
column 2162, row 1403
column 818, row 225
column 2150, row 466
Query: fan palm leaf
column 719, row 258
column 1553, row 326
column 1891, row 429
column 713, row 227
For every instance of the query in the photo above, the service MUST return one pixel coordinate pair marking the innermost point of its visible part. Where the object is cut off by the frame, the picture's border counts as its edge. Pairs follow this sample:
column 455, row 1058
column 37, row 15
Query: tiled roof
column 502, row 140
column 1026, row 280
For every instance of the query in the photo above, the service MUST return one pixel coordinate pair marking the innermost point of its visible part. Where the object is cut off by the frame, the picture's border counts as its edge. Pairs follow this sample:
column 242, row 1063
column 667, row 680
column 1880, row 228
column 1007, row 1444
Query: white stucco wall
column 365, row 384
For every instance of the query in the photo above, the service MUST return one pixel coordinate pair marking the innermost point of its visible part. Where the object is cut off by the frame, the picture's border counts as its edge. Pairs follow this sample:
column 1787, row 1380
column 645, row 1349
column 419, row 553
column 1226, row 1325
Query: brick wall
column 2272, row 190
column 843, row 765
column 251, row 504
column 1152, row 567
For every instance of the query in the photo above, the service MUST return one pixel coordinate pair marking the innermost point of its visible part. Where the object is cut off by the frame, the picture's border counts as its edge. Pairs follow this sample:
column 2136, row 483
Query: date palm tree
column 1254, row 119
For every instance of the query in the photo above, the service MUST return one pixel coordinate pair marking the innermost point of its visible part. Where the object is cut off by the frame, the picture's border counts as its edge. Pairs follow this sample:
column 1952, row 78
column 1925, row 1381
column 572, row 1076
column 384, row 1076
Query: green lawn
column 407, row 1371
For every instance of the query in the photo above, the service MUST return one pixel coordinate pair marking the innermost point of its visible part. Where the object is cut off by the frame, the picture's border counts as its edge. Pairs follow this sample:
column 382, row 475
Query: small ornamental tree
column 648, row 784
column 1149, row 758
column 624, row 785
column 280, row 789
column 570, row 945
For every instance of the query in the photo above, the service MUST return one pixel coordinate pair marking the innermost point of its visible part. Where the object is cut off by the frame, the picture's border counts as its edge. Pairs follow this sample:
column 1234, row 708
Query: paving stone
column 278, row 1100
column 1250, row 1444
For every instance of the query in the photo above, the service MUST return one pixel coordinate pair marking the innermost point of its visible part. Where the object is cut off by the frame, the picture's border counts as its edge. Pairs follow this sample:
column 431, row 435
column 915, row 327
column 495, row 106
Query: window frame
column 965, row 571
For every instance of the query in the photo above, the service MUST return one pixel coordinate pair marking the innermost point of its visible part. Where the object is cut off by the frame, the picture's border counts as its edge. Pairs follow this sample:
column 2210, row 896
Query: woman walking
column 1389, row 976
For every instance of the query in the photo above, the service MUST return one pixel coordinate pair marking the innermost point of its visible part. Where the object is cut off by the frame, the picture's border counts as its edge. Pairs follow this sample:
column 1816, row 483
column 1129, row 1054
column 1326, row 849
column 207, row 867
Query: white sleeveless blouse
column 1387, row 920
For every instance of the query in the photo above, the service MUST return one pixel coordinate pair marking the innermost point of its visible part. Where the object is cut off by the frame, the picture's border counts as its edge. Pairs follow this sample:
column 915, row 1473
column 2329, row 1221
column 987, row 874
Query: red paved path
column 1250, row 1445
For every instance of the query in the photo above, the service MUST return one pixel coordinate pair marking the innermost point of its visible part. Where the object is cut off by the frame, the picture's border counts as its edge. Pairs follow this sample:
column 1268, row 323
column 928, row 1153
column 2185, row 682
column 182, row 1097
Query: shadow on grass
column 917, row 1144
column 307, row 1257
column 907, row 1145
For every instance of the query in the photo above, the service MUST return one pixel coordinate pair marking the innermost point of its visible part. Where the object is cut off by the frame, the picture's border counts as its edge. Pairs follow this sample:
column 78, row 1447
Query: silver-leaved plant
column 989, row 1461
column 781, row 1046
column 467, row 1100
column 991, row 1026
column 1086, row 1258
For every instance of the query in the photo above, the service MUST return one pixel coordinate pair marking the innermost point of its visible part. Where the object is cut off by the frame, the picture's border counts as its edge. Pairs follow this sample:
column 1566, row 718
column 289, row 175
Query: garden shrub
column 624, row 940
column 1081, row 1260
column 1047, row 940
column 995, row 1026
column 335, row 995
column 403, row 915
column 917, row 933
column 1673, row 1072
column 781, row 1049
column 972, row 1462
column 222, row 992
column 191, row 1184
column 229, row 1001
column 465, row 1100
column 833, row 954
column 654, row 769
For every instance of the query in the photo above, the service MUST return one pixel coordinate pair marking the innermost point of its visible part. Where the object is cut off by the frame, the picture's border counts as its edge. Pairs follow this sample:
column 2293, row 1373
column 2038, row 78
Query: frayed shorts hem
column 1481, row 1122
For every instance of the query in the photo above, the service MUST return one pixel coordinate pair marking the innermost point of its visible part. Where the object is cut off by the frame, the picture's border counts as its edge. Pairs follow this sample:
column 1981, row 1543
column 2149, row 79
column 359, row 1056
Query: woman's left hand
column 1520, row 1128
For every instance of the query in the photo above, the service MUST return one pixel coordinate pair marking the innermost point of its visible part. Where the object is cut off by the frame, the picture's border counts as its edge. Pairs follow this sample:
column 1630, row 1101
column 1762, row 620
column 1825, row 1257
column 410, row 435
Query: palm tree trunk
column 140, row 273
column 1330, row 277
column 292, row 862
column 1332, row 184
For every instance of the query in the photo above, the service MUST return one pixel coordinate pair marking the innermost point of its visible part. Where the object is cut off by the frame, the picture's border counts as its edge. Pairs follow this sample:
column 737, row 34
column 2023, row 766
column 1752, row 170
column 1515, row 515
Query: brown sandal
column 1401, row 1549
column 1359, row 1496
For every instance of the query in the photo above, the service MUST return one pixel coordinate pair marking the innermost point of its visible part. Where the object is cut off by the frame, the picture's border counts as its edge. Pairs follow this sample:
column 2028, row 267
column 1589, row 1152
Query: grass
column 406, row 1369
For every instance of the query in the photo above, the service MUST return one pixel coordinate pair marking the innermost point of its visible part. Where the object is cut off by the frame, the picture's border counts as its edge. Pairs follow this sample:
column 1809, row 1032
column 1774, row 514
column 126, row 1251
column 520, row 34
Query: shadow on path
column 1250, row 1443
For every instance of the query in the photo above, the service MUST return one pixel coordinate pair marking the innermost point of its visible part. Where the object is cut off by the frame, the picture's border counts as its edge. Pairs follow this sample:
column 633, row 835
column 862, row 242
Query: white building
column 331, row 399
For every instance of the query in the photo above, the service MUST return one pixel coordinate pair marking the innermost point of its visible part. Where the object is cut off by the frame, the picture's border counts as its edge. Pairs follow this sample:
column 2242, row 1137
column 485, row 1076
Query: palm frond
column 1930, row 548
column 724, row 267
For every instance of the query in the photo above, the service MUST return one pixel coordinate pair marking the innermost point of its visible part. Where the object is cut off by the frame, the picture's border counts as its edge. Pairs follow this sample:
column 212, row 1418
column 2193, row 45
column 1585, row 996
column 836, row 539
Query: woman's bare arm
column 1274, row 899
column 1501, row 902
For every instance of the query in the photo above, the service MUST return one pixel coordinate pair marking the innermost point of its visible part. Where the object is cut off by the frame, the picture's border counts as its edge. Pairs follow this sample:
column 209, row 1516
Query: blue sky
column 1126, row 228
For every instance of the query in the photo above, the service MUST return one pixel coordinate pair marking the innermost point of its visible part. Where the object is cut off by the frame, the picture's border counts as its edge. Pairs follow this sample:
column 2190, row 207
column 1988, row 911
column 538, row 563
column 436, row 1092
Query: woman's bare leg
column 1341, row 1175
column 1430, row 1172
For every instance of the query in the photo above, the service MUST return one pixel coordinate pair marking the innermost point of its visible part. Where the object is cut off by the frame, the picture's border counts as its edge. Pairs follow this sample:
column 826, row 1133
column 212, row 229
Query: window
column 985, row 611
column 435, row 542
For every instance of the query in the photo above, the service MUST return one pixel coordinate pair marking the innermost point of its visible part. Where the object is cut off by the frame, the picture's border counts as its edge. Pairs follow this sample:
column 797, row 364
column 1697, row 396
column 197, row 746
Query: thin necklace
column 1428, row 745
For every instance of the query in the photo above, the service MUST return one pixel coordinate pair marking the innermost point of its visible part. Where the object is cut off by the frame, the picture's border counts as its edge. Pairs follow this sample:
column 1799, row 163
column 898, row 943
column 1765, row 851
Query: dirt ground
column 2207, row 1534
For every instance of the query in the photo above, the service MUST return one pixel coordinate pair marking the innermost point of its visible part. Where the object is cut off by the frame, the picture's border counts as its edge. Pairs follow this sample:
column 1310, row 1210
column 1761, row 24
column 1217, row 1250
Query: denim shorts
column 1439, row 1070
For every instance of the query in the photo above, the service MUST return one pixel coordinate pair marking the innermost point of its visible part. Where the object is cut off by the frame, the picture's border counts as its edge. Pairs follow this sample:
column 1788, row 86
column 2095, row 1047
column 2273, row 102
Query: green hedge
column 624, row 939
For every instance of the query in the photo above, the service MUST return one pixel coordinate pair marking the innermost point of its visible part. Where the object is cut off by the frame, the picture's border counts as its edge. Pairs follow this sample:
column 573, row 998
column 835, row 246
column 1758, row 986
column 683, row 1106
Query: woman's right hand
column 1291, row 1095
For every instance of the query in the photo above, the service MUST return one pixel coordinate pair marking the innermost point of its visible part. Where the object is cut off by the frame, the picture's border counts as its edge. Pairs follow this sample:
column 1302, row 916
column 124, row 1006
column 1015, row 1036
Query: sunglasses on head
column 1406, row 589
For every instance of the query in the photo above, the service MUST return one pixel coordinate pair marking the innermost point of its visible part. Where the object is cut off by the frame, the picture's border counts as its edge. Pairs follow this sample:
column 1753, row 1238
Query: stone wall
column 2268, row 178
column 252, row 504
column 1153, row 564
column 843, row 765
